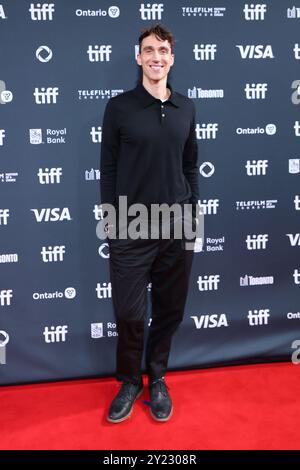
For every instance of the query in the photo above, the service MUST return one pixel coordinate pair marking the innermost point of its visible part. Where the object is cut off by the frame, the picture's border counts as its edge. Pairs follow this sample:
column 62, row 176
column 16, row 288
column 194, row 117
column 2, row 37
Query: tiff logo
column 297, row 128
column 96, row 134
column 5, row 296
column 256, row 91
column 256, row 167
column 49, row 176
column 55, row 334
column 99, row 53
column 297, row 51
column 258, row 317
column 297, row 202
column 151, row 11
column 103, row 290
column 4, row 214
column 41, row 12
column 296, row 276
column 205, row 51
column 2, row 135
column 45, row 95
column 206, row 131
column 53, row 253
column 208, row 206
column 257, row 242
column 255, row 12
column 208, row 282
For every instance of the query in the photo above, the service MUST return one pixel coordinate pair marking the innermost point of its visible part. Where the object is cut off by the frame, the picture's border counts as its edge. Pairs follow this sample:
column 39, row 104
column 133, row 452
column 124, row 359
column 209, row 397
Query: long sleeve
column 109, row 156
column 190, row 165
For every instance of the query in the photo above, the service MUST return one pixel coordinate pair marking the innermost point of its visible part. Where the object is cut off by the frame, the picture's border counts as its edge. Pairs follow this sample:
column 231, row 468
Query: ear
column 138, row 59
column 172, row 59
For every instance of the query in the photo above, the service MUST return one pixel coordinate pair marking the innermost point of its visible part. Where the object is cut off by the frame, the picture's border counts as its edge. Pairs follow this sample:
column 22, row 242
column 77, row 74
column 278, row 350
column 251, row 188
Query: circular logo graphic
column 206, row 169
column 70, row 292
column 114, row 12
column 44, row 54
column 6, row 96
column 6, row 339
column 270, row 129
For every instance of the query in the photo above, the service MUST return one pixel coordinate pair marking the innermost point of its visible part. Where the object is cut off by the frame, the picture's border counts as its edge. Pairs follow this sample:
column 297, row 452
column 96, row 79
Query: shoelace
column 161, row 386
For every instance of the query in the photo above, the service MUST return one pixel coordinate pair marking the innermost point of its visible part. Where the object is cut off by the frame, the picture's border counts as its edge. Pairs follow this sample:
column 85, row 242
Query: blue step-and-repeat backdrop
column 59, row 64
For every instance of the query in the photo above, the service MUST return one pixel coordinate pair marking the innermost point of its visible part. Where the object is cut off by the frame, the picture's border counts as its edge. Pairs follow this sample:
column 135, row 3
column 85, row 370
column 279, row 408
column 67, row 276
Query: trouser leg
column 130, row 262
column 170, row 275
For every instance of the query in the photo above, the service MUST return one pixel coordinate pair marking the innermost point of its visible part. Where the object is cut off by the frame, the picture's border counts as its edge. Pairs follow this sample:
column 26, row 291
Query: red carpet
column 239, row 407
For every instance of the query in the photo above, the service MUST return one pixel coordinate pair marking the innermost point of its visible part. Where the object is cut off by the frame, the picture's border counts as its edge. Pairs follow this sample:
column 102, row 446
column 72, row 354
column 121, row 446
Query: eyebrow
column 159, row 48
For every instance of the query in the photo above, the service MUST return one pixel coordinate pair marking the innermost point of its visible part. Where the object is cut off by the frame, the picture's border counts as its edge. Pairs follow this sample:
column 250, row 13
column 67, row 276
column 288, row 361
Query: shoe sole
column 129, row 413
column 162, row 420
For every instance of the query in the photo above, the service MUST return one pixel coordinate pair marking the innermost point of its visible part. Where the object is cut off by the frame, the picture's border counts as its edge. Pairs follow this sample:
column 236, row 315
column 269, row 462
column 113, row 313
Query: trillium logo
column 114, row 11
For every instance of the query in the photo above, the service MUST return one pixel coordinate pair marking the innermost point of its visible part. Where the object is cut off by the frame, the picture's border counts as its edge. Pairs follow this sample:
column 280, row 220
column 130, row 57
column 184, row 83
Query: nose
column 155, row 56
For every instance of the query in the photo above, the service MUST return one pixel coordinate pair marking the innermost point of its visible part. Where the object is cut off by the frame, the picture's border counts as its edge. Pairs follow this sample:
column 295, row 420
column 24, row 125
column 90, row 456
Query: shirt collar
column 146, row 98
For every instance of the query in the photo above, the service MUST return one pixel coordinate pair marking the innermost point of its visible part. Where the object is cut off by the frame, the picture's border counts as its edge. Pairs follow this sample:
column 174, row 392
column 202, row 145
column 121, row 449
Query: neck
column 158, row 88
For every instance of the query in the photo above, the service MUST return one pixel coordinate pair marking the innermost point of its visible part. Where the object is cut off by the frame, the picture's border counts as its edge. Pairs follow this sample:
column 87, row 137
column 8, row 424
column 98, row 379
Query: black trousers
column 133, row 264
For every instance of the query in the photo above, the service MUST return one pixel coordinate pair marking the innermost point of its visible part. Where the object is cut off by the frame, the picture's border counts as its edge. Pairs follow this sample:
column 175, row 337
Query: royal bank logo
column 99, row 330
column 44, row 54
column 6, row 96
column 8, row 177
column 203, row 11
column 53, row 136
column 89, row 95
column 252, row 205
column 294, row 166
column 200, row 93
column 41, row 12
column 112, row 12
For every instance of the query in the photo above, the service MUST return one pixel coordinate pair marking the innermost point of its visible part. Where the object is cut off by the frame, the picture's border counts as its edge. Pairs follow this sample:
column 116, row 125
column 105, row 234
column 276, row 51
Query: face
column 155, row 58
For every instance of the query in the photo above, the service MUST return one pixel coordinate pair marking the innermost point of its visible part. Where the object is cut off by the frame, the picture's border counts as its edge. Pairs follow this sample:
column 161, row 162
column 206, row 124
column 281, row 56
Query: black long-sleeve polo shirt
column 149, row 150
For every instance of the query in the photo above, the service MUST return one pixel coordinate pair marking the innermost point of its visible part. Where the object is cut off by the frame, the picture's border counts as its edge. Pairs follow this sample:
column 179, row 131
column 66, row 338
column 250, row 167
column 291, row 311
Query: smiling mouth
column 156, row 66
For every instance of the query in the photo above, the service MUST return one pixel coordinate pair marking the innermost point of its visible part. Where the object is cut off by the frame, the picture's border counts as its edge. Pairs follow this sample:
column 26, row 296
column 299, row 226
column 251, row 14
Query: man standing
column 149, row 155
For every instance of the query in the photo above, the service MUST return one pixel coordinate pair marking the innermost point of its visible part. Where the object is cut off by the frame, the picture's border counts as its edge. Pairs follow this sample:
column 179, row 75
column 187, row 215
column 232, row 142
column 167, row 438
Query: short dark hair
column 160, row 32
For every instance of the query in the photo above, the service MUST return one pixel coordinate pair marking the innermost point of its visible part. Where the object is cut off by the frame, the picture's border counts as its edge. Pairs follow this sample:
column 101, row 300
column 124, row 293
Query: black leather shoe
column 161, row 407
column 121, row 406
